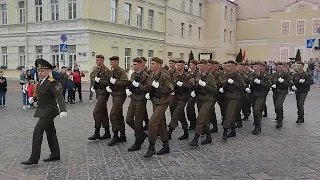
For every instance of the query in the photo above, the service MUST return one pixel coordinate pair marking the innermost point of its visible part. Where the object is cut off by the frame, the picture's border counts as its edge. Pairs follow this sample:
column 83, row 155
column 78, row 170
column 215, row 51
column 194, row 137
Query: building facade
column 273, row 30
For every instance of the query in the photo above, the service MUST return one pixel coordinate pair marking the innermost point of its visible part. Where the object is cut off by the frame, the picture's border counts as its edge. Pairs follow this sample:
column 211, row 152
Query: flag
column 239, row 57
column 244, row 55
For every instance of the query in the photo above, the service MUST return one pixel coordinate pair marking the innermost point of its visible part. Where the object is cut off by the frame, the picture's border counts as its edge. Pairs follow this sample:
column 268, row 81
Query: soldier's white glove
column 193, row 94
column 202, row 83
column 280, row 80
column 230, row 80
column 135, row 84
column 248, row 90
column 302, row 80
column 173, row 93
column 93, row 90
column 97, row 79
column 221, row 90
column 113, row 80
column 155, row 84
column 274, row 86
column 294, row 88
column 128, row 92
column 179, row 83
column 257, row 81
column 109, row 89
column 147, row 96
column 63, row 114
column 31, row 100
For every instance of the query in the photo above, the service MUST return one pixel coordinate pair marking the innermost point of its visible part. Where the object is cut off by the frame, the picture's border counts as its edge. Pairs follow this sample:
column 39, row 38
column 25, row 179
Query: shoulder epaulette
column 50, row 79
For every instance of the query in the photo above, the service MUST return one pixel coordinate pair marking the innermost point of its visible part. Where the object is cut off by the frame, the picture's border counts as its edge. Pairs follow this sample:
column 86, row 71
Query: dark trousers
column 78, row 88
column 179, row 115
column 258, row 104
column 64, row 92
column 301, row 98
column 116, row 113
column 278, row 100
column 212, row 115
column 71, row 95
column 246, row 105
column 100, row 112
column 157, row 123
column 44, row 125
column 202, row 120
column 191, row 112
column 232, row 109
column 136, row 115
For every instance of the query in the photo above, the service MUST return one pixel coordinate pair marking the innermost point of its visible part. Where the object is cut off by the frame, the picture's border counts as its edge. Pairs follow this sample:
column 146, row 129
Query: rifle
column 95, row 82
column 152, row 92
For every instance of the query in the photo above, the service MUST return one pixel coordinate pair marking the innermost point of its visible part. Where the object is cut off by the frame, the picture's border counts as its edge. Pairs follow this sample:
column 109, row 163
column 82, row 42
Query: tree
column 298, row 56
column 239, row 57
column 190, row 57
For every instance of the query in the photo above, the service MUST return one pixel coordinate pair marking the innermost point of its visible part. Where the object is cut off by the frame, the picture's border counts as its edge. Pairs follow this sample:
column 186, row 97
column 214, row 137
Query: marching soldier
column 243, row 96
column 181, row 96
column 246, row 105
column 281, row 81
column 118, row 83
column 191, row 112
column 137, row 90
column 259, row 87
column 145, row 68
column 233, row 85
column 205, row 89
column 101, row 78
column 265, row 108
column 172, row 68
column 302, row 81
column 48, row 95
column 162, row 87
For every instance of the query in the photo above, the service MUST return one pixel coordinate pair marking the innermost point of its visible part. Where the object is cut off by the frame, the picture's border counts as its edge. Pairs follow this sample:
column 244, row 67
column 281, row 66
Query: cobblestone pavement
column 289, row 153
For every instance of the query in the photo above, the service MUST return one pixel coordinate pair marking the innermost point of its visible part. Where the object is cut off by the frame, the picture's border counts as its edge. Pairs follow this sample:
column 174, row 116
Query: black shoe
column 151, row 151
column 279, row 124
column 256, row 130
column 52, row 158
column 135, row 147
column 245, row 118
column 208, row 139
column 194, row 142
column 116, row 139
column 170, row 133
column 225, row 134
column 185, row 135
column 238, row 124
column 165, row 149
column 300, row 120
column 29, row 162
column 106, row 136
column 232, row 133
column 96, row 135
column 214, row 129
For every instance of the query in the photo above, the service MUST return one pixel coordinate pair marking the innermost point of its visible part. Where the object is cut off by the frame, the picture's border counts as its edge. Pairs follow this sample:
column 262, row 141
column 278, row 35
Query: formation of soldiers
column 235, row 87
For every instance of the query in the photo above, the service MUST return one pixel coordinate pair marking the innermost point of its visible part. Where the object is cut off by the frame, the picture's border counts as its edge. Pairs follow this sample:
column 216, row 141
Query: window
column 72, row 51
column 39, row 10
column 285, row 28
column 22, row 56
column 199, row 32
column 4, row 56
column 127, row 58
column 170, row 54
column 151, row 19
column 284, row 54
column 114, row 5
column 140, row 52
column 191, row 7
column 230, row 37
column 316, row 26
column 72, row 9
column 139, row 16
column 150, row 56
column 231, row 15
column 39, row 52
column 225, row 35
column 183, row 5
column 4, row 14
column 200, row 9
column 55, row 56
column 181, row 55
column 190, row 31
column 21, row 12
column 182, row 29
column 225, row 12
column 127, row 14
column 300, row 27
column 170, row 27
column 54, row 10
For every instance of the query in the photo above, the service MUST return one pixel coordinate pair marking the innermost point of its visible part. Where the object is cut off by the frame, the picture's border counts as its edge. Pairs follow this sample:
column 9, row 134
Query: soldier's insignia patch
column 50, row 79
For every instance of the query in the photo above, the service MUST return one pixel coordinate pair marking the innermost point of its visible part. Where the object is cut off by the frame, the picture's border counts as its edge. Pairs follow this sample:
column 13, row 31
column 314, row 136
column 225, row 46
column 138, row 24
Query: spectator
column 70, row 88
column 34, row 73
column 64, row 78
column 55, row 74
column 77, row 75
column 3, row 89
column 31, row 89
column 316, row 74
column 24, row 83
column 92, row 81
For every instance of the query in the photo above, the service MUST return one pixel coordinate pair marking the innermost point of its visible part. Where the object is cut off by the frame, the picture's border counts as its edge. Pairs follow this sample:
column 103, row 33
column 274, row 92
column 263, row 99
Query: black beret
column 137, row 59
column 43, row 64
column 241, row 64
column 158, row 60
column 181, row 61
column 210, row 61
column 203, row 61
column 100, row 56
column 231, row 62
column 113, row 58
column 194, row 62
column 172, row 61
column 300, row 62
column 257, row 63
column 143, row 59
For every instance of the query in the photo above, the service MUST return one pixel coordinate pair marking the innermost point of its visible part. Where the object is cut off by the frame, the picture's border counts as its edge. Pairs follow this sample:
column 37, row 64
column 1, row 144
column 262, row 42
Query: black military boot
column 245, row 118
column 170, row 133
column 192, row 125
column 115, row 139
column 300, row 119
column 151, row 151
column 29, row 162
column 96, row 134
column 279, row 124
column 225, row 134
column 136, row 145
column 232, row 133
column 123, row 137
column 208, row 139
column 165, row 149
column 185, row 135
column 194, row 141
column 107, row 134
column 214, row 129
column 256, row 130
column 238, row 124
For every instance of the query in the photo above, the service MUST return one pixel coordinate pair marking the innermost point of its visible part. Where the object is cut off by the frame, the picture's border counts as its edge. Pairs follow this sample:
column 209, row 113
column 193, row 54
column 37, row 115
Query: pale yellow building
column 273, row 30
column 127, row 28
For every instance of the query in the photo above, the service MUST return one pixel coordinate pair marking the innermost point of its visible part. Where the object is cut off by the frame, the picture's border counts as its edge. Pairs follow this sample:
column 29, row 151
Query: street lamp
column 26, row 34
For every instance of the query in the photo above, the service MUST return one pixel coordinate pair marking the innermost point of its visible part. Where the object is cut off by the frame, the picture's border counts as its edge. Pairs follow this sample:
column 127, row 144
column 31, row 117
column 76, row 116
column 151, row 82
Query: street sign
column 64, row 37
column 63, row 47
column 310, row 42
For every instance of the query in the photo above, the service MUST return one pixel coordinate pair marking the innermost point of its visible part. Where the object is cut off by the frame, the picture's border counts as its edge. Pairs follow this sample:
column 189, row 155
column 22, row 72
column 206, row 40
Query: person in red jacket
column 77, row 75
column 31, row 89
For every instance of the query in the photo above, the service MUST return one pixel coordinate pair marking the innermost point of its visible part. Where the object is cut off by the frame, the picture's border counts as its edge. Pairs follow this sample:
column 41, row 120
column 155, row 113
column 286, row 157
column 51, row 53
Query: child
column 3, row 89
column 70, row 89
column 30, row 90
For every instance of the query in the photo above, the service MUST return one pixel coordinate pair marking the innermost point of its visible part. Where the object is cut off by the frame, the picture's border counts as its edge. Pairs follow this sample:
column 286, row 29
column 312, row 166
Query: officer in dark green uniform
column 48, row 96
column 191, row 112
column 302, row 81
